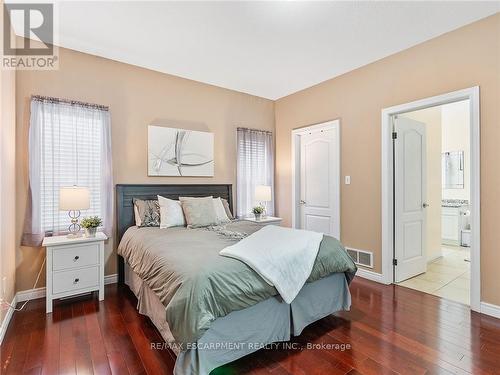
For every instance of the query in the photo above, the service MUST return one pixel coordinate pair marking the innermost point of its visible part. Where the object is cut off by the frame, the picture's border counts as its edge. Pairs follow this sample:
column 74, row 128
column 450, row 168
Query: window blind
column 71, row 155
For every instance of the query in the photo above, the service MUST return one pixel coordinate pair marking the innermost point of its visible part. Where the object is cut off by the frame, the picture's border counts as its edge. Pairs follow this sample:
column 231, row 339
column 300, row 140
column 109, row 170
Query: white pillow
column 171, row 214
column 220, row 211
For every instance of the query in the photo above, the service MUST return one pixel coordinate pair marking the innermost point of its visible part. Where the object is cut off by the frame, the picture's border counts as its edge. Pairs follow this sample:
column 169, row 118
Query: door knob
column 302, row 202
column 425, row 205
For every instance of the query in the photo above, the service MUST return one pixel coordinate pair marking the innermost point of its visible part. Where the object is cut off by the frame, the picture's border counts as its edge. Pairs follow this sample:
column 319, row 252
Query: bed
column 249, row 313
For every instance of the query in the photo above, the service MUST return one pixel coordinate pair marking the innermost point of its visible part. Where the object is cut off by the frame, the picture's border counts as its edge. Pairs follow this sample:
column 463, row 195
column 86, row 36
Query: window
column 255, row 167
column 69, row 145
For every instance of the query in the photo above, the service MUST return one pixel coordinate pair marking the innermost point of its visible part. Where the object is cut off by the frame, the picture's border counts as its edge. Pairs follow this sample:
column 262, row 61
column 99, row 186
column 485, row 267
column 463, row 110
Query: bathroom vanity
column 455, row 216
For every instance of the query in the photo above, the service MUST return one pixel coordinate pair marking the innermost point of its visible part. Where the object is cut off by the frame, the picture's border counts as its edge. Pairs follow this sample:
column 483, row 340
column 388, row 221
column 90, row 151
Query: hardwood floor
column 390, row 329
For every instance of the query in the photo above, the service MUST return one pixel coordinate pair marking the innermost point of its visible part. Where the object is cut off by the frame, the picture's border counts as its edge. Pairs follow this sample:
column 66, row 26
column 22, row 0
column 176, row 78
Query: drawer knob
column 76, row 281
column 76, row 258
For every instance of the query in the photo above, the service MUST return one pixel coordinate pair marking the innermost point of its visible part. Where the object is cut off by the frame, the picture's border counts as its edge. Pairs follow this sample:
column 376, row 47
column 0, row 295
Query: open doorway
column 407, row 231
column 441, row 210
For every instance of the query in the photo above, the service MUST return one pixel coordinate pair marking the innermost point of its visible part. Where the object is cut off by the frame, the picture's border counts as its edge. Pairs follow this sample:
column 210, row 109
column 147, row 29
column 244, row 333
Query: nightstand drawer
column 66, row 281
column 75, row 256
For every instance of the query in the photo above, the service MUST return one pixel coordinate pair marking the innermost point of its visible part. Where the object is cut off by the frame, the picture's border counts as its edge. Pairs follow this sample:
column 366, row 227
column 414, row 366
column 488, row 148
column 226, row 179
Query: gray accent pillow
column 229, row 214
column 147, row 212
column 199, row 212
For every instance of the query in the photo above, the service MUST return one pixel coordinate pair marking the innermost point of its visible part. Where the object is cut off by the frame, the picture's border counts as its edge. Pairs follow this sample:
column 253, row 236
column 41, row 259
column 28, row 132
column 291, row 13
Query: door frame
column 472, row 94
column 296, row 134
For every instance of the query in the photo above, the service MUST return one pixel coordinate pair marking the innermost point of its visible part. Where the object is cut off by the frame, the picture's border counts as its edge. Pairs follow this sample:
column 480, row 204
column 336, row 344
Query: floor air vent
column 361, row 257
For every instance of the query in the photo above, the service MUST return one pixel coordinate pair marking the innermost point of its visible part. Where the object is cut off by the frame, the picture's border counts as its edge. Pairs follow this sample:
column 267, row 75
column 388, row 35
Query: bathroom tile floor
column 447, row 277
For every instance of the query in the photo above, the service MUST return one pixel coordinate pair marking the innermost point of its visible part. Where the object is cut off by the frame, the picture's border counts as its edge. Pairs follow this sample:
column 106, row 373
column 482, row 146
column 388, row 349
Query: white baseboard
column 6, row 319
column 370, row 275
column 490, row 309
column 111, row 279
column 29, row 294
column 40, row 292
column 435, row 257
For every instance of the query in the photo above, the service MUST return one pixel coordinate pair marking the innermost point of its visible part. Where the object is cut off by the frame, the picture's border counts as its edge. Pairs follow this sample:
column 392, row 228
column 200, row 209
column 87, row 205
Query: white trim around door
column 296, row 134
column 387, row 183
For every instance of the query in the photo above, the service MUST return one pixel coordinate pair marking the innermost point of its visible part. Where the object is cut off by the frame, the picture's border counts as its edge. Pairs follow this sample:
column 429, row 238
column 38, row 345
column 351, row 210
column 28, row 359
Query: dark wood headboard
column 126, row 193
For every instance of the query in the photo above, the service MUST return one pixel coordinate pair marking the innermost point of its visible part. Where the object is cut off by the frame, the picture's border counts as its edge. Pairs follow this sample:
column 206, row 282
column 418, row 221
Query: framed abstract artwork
column 180, row 152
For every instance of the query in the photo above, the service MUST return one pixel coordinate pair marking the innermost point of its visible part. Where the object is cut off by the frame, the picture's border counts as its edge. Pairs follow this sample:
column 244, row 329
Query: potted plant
column 258, row 211
column 90, row 225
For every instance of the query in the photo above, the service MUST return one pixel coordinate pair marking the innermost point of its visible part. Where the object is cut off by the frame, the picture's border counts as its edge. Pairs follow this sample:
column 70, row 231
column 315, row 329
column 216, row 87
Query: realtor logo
column 34, row 21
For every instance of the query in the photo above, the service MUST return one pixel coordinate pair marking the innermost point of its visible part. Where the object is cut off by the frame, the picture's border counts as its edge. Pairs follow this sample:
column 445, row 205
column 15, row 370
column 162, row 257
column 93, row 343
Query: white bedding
column 283, row 257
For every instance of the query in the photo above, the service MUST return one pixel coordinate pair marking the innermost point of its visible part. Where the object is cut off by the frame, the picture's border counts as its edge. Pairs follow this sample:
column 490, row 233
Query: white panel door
column 319, row 181
column 410, row 198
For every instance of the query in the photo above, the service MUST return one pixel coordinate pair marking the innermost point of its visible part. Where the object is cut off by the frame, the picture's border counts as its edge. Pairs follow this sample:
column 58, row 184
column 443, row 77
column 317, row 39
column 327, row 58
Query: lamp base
column 263, row 215
column 74, row 227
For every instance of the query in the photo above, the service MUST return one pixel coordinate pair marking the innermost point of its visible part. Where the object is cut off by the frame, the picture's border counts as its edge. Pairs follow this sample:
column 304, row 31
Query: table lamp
column 263, row 194
column 73, row 199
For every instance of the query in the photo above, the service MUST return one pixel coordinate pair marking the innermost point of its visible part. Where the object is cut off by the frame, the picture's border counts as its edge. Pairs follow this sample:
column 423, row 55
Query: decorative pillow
column 229, row 214
column 147, row 213
column 171, row 214
column 220, row 212
column 199, row 212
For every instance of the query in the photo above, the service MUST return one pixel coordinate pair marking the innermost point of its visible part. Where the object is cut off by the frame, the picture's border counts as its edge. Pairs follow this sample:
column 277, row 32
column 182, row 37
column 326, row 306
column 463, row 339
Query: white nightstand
column 74, row 266
column 268, row 220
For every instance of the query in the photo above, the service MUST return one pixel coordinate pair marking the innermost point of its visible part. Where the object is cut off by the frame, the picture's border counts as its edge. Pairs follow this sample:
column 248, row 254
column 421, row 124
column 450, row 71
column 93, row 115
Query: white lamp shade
column 263, row 193
column 74, row 198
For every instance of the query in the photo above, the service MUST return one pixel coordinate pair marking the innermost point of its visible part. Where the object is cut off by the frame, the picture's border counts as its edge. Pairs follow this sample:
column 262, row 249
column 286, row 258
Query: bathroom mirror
column 452, row 170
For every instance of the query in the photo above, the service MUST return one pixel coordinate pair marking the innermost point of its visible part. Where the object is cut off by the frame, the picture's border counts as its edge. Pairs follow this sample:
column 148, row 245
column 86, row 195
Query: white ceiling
column 268, row 49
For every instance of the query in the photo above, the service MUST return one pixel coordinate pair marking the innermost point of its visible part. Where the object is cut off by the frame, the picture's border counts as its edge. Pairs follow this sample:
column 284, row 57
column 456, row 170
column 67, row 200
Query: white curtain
column 69, row 144
column 255, row 167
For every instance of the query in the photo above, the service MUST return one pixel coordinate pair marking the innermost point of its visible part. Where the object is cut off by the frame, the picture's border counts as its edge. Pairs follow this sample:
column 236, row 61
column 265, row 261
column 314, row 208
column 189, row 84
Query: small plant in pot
column 90, row 225
column 258, row 211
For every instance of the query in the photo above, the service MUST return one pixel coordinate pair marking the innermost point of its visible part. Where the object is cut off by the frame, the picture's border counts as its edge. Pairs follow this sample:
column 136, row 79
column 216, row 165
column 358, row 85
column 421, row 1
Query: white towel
column 283, row 257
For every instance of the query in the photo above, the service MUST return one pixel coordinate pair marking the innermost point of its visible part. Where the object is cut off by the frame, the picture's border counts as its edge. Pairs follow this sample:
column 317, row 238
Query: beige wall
column 456, row 137
column 7, row 182
column 137, row 97
column 462, row 58
column 431, row 117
